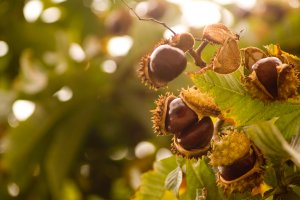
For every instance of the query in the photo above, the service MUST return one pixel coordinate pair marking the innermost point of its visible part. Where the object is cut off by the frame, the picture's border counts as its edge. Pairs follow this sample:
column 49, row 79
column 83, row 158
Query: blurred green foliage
column 65, row 149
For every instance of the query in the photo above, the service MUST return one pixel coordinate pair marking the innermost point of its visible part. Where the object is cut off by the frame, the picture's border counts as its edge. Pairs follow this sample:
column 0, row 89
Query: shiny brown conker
column 266, row 73
column 198, row 135
column 179, row 116
column 166, row 63
column 238, row 168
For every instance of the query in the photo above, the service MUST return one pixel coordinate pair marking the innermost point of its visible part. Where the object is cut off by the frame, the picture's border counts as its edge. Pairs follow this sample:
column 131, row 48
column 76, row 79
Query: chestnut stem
column 148, row 19
column 198, row 60
column 217, row 128
column 201, row 47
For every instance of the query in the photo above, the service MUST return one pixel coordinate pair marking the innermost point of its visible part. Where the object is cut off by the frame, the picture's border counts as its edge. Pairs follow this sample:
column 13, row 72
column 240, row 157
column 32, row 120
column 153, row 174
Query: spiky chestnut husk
column 275, row 82
column 251, row 55
column 251, row 179
column 195, row 153
column 232, row 146
column 159, row 113
column 200, row 102
column 288, row 82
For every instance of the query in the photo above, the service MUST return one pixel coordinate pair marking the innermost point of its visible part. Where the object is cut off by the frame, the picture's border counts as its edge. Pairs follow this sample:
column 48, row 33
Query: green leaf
column 198, row 176
column 153, row 182
column 269, row 139
column 30, row 139
column 194, row 183
column 237, row 104
column 173, row 180
column 294, row 179
column 71, row 135
column 290, row 195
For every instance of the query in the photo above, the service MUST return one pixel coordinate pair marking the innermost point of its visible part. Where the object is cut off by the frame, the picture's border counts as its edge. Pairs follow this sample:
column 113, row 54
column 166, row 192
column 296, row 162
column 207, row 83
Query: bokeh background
column 74, row 118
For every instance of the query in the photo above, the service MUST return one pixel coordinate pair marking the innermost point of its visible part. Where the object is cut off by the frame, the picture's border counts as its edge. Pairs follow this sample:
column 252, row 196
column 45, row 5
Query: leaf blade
column 269, row 139
column 153, row 182
column 173, row 180
column 235, row 103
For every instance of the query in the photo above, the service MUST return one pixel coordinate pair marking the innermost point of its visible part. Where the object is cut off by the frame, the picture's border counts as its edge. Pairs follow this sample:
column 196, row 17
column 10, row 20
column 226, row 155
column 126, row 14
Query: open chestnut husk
column 249, row 177
column 166, row 62
column 238, row 162
column 163, row 65
column 272, row 80
column 187, row 118
column 172, row 114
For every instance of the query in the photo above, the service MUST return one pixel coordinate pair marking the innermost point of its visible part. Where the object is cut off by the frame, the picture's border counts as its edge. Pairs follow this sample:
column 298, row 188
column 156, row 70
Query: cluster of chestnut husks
column 188, row 121
column 190, row 133
column 272, row 80
column 238, row 162
column 170, row 65
column 188, row 117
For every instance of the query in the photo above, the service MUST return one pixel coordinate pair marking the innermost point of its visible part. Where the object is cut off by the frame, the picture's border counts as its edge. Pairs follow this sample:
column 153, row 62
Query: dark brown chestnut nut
column 179, row 116
column 238, row 161
column 272, row 80
column 238, row 167
column 166, row 63
column 175, row 115
column 196, row 136
column 266, row 73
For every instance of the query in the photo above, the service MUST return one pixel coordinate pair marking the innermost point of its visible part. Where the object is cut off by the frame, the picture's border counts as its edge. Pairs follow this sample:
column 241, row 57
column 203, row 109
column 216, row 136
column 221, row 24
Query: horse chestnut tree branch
column 203, row 131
